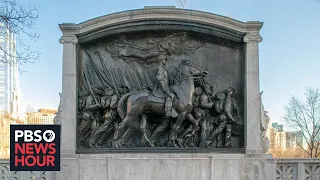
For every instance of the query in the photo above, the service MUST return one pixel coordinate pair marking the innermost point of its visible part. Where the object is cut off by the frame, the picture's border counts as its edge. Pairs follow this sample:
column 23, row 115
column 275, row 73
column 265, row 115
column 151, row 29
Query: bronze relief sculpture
column 151, row 92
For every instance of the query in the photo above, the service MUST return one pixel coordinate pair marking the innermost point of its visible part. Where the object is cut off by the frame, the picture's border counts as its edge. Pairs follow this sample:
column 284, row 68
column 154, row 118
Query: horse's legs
column 176, row 127
column 129, row 133
column 182, row 137
column 143, row 127
column 204, row 132
column 159, row 130
column 120, row 130
column 127, row 128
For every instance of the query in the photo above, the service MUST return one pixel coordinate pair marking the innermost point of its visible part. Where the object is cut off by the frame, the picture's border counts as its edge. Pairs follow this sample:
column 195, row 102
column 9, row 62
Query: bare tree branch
column 305, row 117
column 317, row 150
column 17, row 22
column 183, row 3
column 301, row 146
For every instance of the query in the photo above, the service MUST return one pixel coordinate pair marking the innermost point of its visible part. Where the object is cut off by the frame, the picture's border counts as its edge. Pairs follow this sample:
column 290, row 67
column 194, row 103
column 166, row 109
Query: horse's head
column 187, row 69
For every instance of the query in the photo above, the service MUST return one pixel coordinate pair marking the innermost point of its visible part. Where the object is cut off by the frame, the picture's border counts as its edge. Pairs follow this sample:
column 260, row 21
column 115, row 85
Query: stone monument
column 161, row 93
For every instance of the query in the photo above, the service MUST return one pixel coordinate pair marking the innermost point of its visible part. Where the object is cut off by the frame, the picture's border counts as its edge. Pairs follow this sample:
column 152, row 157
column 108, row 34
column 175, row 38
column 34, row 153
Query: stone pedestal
column 166, row 166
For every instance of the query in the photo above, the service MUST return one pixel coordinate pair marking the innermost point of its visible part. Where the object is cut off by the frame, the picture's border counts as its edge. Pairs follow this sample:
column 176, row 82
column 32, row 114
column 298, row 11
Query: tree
column 183, row 3
column 18, row 20
column 305, row 117
column 288, row 153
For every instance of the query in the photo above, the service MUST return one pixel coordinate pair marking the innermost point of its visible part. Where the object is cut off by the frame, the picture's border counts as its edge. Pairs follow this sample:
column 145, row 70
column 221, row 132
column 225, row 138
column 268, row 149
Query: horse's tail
column 122, row 106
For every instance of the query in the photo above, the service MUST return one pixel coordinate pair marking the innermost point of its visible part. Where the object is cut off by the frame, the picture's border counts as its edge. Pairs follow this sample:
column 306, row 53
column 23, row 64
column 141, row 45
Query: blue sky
column 289, row 53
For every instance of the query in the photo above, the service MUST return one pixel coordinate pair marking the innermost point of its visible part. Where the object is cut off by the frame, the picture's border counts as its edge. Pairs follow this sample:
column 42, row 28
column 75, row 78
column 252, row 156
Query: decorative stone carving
column 312, row 171
column 284, row 172
column 57, row 118
column 37, row 175
column 158, row 14
column 68, row 39
column 252, row 37
column 254, row 171
column 138, row 90
column 7, row 174
column 265, row 119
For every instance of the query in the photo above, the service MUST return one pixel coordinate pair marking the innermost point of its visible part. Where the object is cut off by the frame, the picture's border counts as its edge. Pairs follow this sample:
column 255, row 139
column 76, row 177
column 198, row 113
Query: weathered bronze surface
column 160, row 90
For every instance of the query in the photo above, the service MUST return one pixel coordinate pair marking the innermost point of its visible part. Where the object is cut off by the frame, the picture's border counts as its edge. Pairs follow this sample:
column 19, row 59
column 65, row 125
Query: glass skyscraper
column 9, row 80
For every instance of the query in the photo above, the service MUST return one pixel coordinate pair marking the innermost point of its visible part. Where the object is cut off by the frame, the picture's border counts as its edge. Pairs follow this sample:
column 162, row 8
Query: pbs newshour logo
column 35, row 147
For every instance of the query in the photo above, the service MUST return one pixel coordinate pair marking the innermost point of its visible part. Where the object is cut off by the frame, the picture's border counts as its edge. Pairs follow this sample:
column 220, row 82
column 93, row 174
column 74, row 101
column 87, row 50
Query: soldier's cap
column 198, row 90
column 83, row 94
column 208, row 86
column 221, row 95
column 186, row 61
column 123, row 87
column 230, row 89
column 98, row 90
column 109, row 92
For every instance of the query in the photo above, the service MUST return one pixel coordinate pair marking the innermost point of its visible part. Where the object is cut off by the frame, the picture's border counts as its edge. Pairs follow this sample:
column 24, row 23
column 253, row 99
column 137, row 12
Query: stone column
column 69, row 95
column 252, row 94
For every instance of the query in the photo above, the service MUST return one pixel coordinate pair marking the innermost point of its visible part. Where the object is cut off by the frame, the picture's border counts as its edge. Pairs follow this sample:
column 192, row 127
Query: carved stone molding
column 193, row 14
column 252, row 37
column 179, row 16
column 71, row 39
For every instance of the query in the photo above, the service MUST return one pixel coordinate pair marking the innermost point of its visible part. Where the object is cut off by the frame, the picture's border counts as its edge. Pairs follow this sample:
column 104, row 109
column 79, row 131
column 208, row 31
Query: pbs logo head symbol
column 49, row 136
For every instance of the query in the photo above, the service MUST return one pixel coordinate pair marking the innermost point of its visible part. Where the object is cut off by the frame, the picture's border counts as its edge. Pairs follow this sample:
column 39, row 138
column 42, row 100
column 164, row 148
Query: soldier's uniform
column 163, row 80
column 110, row 106
column 225, row 107
column 205, row 105
column 90, row 117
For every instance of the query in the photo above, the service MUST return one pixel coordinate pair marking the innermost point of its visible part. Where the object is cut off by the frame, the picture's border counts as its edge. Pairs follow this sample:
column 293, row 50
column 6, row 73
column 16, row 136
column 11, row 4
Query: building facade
column 5, row 121
column 10, row 94
column 283, row 140
column 43, row 116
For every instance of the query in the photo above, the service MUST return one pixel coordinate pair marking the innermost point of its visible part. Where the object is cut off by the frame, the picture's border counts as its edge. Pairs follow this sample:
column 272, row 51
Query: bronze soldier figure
column 228, row 110
column 108, row 102
column 189, row 136
column 163, row 80
column 205, row 105
column 91, row 115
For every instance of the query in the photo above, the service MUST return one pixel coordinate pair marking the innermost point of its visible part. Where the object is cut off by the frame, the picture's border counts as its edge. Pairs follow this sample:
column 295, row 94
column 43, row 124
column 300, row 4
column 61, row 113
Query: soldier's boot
column 228, row 136
column 92, row 143
column 168, row 107
column 220, row 140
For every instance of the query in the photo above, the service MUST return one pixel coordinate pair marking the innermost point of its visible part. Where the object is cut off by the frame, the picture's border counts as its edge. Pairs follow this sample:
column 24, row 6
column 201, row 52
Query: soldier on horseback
column 163, row 80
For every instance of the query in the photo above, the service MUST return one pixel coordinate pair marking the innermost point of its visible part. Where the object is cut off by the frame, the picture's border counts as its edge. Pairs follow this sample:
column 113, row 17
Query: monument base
column 165, row 166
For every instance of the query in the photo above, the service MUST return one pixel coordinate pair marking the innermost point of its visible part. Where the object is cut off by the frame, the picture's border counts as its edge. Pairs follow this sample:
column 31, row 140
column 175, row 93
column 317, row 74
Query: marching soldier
column 109, row 103
column 229, row 113
column 91, row 113
column 205, row 105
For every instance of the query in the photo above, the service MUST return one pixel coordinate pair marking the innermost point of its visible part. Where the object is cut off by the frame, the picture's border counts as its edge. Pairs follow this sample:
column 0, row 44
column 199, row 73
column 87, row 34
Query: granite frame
column 172, row 18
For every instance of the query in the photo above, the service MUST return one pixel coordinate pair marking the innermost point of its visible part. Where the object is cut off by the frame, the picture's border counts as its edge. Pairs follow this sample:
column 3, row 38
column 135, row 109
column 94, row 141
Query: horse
column 136, row 106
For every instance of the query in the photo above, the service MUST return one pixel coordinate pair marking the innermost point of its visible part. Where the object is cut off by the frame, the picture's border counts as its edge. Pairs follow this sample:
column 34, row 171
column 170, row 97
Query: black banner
column 35, row 148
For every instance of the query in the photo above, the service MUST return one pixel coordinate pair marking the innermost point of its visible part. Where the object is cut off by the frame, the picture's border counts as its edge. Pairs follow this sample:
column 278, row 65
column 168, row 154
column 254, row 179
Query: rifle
column 90, row 88
column 203, row 85
column 136, row 75
column 111, row 75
